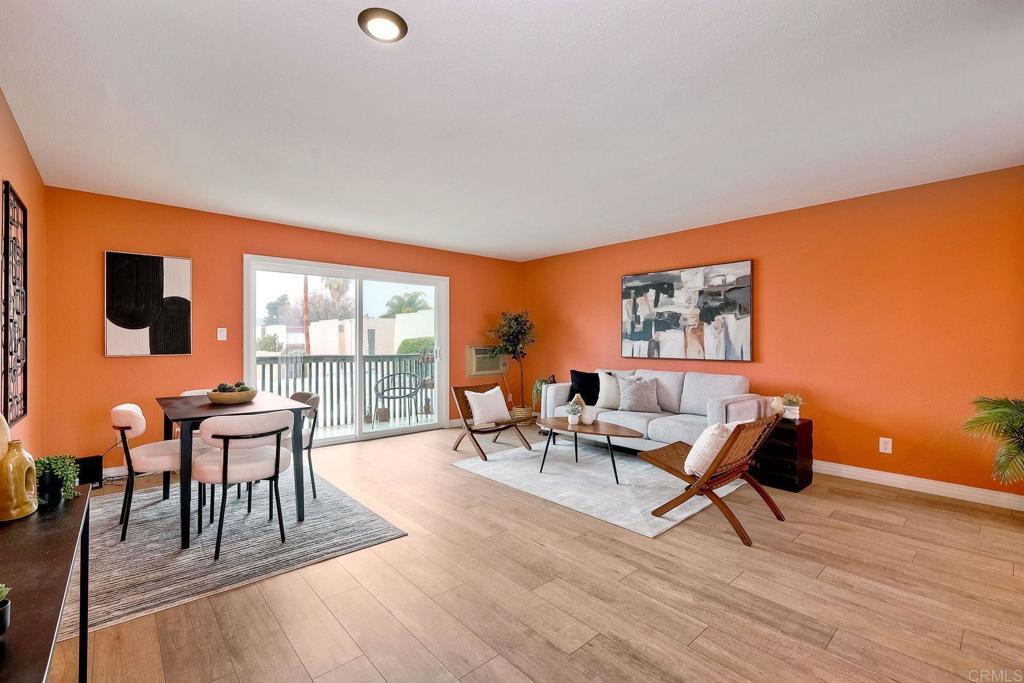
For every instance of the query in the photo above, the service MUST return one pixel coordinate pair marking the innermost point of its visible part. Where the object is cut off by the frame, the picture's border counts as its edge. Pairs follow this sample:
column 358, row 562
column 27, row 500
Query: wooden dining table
column 188, row 411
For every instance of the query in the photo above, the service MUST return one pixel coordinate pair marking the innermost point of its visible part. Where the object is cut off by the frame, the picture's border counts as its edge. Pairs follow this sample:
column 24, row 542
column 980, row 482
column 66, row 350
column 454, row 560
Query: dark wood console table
column 37, row 556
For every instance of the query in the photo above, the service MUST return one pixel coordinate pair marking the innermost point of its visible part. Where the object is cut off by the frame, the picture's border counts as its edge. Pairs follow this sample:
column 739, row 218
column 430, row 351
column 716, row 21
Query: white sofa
column 689, row 402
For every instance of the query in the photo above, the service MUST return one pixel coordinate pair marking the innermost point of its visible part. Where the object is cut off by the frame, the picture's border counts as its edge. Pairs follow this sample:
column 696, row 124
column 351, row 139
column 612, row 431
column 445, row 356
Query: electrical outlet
column 885, row 445
column 222, row 334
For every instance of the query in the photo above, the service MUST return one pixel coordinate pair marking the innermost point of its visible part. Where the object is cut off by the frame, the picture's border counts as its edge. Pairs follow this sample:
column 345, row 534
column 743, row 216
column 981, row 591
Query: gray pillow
column 638, row 394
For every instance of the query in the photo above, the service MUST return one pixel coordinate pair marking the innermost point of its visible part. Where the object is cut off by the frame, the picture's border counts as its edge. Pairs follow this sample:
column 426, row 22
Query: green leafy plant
column 513, row 334
column 538, row 388
column 269, row 342
column 792, row 400
column 63, row 466
column 4, row 591
column 1002, row 419
column 225, row 388
column 415, row 345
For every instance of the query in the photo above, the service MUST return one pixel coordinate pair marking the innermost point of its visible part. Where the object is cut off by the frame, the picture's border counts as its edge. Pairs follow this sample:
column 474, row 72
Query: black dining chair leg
column 124, row 502
column 312, row 479
column 220, row 522
column 213, row 499
column 277, row 496
column 128, row 492
column 200, row 501
column 270, row 499
column 248, row 492
column 238, row 491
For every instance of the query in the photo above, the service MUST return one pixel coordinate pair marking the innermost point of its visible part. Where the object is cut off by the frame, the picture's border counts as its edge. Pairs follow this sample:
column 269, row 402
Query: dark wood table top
column 178, row 408
column 598, row 428
column 37, row 554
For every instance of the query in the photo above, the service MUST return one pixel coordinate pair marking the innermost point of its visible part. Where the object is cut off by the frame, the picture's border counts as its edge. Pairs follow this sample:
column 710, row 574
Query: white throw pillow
column 488, row 407
column 705, row 449
column 608, row 393
column 638, row 394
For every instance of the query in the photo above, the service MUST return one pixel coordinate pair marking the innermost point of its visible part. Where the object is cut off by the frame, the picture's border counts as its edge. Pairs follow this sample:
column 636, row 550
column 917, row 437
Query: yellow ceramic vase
column 17, row 483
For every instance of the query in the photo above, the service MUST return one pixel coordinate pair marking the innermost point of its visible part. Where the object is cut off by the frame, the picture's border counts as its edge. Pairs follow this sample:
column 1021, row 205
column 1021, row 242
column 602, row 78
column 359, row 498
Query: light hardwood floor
column 861, row 583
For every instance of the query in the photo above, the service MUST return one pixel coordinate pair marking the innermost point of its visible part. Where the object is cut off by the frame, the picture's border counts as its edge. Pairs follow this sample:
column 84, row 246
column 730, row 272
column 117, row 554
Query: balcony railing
column 334, row 379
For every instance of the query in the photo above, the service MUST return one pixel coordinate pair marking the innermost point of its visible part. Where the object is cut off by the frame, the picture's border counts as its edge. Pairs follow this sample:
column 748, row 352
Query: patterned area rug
column 589, row 485
column 150, row 571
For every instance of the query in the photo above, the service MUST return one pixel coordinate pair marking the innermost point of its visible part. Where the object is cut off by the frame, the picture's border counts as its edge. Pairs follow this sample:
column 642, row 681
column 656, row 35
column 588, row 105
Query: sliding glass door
column 368, row 342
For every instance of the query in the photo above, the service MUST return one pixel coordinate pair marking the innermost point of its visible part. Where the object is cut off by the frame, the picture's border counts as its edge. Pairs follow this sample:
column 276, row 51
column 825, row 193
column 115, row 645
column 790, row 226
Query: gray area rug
column 589, row 486
column 150, row 571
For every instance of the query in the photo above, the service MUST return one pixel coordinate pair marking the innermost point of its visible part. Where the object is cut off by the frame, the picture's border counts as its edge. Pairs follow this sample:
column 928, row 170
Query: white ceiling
column 518, row 128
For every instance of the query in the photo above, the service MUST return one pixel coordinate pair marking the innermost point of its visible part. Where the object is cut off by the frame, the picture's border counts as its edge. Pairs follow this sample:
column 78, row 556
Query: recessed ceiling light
column 382, row 24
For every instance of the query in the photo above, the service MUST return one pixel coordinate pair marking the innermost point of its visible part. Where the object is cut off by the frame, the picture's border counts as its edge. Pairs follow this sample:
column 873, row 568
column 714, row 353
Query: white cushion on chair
column 705, row 449
column 488, row 407
column 161, row 456
column 128, row 415
column 243, row 425
column 251, row 464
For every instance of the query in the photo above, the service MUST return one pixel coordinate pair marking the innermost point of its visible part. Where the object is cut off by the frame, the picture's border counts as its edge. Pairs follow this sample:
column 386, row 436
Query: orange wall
column 17, row 166
column 83, row 384
column 887, row 312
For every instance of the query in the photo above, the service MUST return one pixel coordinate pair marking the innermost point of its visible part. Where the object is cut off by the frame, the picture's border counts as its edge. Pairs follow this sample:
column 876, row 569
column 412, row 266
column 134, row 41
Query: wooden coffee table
column 598, row 428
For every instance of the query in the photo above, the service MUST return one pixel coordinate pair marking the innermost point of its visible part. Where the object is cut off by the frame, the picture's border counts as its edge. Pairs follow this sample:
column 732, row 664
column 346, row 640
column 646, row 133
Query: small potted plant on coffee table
column 573, row 411
column 5, row 610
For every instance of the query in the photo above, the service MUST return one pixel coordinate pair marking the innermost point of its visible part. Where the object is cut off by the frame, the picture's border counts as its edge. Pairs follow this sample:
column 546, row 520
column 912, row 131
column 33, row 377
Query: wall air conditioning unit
column 479, row 361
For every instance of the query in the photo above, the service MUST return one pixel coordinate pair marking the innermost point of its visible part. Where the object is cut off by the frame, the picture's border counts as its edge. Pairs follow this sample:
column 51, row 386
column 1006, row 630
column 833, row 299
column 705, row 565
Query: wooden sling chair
column 496, row 428
column 732, row 462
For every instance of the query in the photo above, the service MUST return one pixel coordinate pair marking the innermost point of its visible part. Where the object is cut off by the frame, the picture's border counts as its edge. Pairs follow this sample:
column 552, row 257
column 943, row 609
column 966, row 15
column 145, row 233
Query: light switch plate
column 885, row 445
column 222, row 334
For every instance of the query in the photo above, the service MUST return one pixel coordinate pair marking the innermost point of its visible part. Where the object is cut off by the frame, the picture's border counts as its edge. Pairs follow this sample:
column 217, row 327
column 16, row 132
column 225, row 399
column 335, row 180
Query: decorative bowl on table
column 230, row 394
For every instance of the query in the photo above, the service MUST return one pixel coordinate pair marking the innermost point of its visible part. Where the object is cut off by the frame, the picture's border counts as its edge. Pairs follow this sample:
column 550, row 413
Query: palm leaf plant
column 1001, row 419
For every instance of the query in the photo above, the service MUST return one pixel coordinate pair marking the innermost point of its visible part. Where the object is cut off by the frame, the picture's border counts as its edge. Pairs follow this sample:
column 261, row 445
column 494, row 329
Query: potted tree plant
column 1002, row 419
column 5, row 610
column 512, row 335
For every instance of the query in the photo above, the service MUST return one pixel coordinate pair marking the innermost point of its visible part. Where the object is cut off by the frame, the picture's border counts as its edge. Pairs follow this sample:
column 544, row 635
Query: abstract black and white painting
column 699, row 313
column 148, row 305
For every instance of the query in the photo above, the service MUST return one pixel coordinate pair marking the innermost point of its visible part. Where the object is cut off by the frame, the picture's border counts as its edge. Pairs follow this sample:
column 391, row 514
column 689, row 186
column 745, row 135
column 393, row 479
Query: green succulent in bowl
column 225, row 388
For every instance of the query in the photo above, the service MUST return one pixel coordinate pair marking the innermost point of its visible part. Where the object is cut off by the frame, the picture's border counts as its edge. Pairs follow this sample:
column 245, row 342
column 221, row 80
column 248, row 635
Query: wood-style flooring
column 861, row 583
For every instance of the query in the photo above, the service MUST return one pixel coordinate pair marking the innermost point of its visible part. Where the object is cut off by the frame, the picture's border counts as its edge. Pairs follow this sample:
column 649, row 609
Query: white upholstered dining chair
column 148, row 458
column 248, row 449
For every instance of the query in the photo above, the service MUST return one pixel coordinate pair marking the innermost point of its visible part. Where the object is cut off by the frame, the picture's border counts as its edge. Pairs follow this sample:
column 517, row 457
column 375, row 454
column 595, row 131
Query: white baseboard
column 114, row 472
column 939, row 488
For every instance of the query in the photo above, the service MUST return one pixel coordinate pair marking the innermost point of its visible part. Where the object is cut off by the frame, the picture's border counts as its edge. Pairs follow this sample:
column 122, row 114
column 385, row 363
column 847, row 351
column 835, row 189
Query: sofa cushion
column 586, row 384
column 670, row 388
column 700, row 387
column 685, row 428
column 608, row 397
column 617, row 373
column 631, row 420
column 638, row 394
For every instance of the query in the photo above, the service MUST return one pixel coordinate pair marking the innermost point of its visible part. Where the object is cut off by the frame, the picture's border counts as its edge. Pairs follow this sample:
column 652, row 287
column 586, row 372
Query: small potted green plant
column 56, row 478
column 791, row 406
column 5, row 610
column 573, row 411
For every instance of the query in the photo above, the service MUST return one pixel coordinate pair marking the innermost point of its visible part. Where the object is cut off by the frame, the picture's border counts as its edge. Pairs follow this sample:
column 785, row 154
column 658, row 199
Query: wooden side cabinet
column 786, row 459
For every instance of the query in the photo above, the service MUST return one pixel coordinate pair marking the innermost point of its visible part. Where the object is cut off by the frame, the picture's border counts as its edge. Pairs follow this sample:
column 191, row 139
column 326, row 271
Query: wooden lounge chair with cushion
column 472, row 430
column 732, row 462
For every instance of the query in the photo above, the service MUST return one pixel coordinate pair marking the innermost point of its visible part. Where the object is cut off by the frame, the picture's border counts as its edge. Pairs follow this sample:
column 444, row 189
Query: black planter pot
column 5, row 617
column 48, row 486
